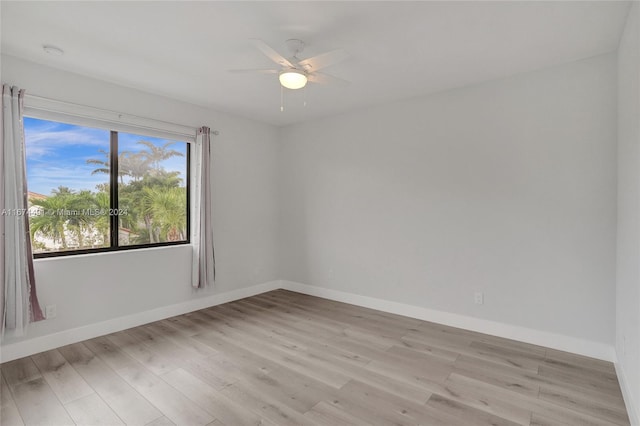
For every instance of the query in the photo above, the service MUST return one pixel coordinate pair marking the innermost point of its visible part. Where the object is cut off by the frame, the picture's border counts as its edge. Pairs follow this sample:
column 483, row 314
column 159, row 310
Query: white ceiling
column 398, row 49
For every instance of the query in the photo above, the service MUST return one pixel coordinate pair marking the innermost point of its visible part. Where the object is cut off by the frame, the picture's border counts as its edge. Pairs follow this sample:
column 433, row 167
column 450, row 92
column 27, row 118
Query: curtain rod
column 43, row 100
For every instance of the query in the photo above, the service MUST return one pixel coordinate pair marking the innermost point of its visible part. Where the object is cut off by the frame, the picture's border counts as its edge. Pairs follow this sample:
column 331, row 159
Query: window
column 93, row 190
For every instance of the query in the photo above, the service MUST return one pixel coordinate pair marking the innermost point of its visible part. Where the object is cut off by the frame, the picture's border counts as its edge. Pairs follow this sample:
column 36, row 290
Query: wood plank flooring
column 283, row 358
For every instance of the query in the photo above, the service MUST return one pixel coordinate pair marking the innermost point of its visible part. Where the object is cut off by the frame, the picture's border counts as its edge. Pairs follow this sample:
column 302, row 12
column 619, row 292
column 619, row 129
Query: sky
column 57, row 155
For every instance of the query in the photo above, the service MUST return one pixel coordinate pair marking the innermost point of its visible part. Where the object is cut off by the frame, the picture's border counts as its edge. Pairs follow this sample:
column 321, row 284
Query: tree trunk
column 63, row 239
column 149, row 226
column 80, row 239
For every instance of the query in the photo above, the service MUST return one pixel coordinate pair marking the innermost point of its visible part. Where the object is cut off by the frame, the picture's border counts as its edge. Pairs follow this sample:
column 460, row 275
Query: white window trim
column 49, row 109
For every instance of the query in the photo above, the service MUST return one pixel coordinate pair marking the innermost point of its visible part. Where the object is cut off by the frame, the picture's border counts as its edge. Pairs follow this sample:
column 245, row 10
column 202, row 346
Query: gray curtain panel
column 19, row 299
column 204, row 263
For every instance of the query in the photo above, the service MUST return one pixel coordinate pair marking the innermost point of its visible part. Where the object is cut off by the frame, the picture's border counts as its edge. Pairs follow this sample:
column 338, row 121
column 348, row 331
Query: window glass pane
column 152, row 191
column 68, row 183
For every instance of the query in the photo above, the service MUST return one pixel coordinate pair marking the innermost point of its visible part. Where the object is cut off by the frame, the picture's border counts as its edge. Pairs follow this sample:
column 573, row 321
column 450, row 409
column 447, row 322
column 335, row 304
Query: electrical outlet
column 50, row 311
column 478, row 298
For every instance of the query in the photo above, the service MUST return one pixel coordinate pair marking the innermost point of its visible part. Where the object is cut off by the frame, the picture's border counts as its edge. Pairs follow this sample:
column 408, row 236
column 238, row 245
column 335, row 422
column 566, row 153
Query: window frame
column 129, row 124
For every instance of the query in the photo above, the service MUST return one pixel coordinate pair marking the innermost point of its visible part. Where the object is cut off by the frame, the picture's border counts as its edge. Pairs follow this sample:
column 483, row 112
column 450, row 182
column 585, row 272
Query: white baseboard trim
column 632, row 408
column 51, row 341
column 35, row 345
column 523, row 334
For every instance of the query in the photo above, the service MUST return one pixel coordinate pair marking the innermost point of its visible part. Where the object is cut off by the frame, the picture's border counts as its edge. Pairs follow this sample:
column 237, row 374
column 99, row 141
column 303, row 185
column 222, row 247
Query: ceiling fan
column 294, row 73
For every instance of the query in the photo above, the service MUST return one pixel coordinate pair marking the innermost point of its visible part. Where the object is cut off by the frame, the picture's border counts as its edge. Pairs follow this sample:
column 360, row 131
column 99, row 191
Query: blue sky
column 57, row 154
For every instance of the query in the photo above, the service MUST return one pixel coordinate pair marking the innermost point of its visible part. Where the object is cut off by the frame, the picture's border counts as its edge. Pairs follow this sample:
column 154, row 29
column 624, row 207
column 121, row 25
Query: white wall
column 507, row 187
column 628, row 254
column 93, row 288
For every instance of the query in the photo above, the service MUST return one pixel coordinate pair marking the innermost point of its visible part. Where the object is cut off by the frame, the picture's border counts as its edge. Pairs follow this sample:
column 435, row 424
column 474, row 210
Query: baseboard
column 632, row 408
column 551, row 340
column 51, row 341
column 523, row 334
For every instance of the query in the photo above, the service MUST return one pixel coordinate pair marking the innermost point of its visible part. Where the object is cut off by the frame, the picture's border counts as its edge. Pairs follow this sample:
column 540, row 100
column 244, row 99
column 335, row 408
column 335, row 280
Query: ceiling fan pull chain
column 281, row 98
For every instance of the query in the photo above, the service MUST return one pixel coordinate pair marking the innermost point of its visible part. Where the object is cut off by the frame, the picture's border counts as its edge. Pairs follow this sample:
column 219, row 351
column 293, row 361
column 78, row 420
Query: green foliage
column 69, row 215
column 103, row 163
column 153, row 200
column 47, row 221
column 166, row 207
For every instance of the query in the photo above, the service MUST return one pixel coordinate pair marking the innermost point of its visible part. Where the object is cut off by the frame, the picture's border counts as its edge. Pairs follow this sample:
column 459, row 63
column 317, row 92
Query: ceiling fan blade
column 322, row 78
column 255, row 71
column 324, row 60
column 270, row 53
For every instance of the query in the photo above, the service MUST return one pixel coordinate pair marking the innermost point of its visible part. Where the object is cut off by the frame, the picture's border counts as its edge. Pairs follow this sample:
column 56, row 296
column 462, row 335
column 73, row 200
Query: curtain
column 19, row 304
column 204, row 265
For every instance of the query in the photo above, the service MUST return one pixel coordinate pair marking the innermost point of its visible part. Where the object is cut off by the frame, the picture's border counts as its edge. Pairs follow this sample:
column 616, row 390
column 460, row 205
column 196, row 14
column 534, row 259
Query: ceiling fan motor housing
column 295, row 46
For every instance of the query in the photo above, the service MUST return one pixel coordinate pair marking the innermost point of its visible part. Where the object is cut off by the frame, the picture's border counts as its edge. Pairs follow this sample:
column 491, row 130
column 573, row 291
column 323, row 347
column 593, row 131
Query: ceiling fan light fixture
column 293, row 79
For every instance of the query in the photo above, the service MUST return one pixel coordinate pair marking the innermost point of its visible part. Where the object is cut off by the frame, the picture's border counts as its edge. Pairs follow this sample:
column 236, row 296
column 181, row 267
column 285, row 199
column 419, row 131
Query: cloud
column 81, row 136
column 57, row 154
column 44, row 185
column 36, row 151
column 43, row 140
column 47, row 176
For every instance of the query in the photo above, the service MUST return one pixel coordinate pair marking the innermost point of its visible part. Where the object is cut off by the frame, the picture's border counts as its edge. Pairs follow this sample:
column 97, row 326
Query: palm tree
column 49, row 222
column 131, row 164
column 80, row 221
column 142, row 194
column 156, row 154
column 105, row 164
column 103, row 221
column 167, row 208
column 63, row 191
column 136, row 164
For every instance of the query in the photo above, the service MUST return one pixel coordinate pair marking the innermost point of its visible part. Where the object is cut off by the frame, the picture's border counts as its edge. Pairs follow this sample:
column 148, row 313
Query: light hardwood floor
column 282, row 358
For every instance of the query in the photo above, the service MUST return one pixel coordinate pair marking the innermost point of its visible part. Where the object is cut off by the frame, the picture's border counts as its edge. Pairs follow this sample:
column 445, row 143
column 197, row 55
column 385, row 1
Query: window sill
column 108, row 252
